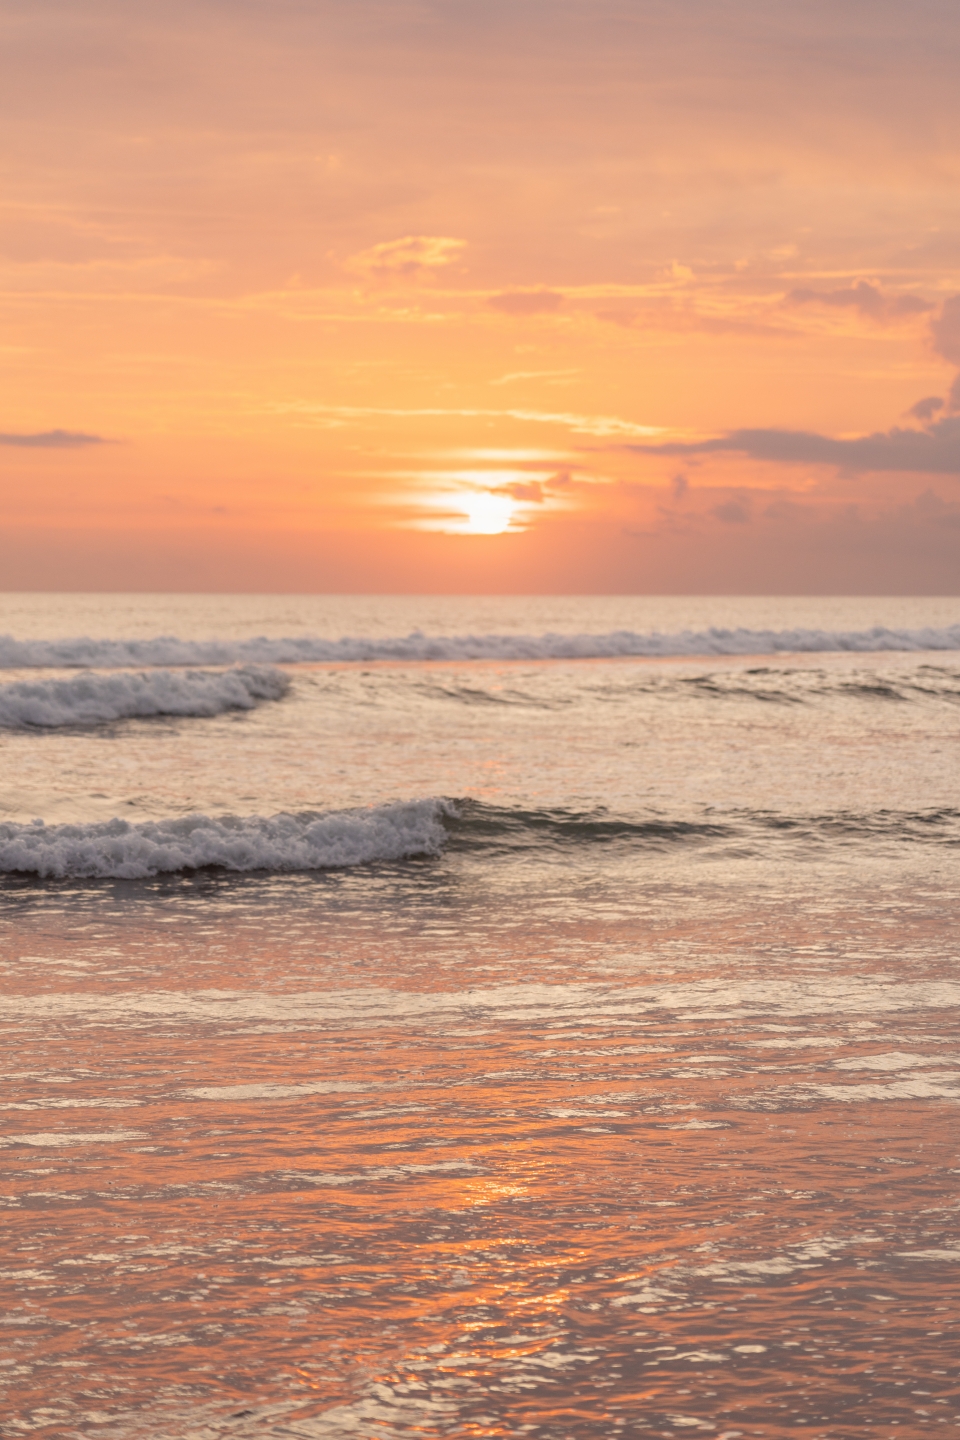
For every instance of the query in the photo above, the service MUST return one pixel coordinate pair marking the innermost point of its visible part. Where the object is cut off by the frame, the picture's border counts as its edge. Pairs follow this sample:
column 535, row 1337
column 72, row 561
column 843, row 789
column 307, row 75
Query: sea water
column 479, row 1017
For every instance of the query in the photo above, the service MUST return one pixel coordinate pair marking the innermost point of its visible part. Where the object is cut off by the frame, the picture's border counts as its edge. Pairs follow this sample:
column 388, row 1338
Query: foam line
column 168, row 650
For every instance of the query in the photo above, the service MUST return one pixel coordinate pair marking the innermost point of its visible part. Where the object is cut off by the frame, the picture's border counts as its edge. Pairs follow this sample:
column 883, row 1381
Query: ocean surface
column 479, row 1017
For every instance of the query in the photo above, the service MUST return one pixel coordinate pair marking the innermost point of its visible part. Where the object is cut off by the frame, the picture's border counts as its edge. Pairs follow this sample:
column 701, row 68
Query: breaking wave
column 92, row 699
column 168, row 650
column 120, row 849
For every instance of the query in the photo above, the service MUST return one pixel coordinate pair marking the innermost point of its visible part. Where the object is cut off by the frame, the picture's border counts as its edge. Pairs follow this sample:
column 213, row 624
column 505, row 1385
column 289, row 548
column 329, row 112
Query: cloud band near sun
column 933, row 450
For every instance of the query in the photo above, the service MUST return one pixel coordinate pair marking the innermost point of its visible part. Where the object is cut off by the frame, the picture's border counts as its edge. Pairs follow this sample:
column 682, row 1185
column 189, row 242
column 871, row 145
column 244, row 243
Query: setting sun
column 488, row 514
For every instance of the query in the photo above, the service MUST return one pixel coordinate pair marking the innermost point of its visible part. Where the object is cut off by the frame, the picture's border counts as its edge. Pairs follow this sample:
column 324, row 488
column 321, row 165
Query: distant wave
column 769, row 684
column 168, row 650
column 120, row 849
column 96, row 699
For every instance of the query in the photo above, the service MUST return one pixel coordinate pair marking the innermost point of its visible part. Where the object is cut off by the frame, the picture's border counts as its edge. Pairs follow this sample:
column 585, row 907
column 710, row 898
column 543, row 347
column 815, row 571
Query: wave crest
column 118, row 849
column 97, row 699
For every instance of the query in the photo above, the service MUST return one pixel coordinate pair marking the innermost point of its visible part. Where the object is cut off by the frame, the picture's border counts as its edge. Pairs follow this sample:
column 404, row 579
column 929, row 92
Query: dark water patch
column 474, row 825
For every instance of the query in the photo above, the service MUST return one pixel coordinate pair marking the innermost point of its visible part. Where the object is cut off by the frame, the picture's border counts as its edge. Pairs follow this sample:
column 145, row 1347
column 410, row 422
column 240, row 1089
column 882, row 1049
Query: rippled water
column 630, row 1109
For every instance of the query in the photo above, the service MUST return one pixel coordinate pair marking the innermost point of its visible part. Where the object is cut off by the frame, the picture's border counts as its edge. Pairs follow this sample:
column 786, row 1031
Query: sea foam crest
column 92, row 699
column 121, row 850
column 263, row 650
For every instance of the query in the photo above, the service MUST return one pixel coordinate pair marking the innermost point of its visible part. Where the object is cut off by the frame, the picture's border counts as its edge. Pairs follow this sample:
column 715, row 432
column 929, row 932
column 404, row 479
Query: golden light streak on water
column 708, row 1189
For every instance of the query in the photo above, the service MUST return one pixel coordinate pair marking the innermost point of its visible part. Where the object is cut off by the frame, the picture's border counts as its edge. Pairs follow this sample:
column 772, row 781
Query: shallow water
column 629, row 1108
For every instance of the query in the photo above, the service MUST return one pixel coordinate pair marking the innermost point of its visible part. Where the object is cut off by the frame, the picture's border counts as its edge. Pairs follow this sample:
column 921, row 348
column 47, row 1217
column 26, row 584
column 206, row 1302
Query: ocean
column 479, row 1017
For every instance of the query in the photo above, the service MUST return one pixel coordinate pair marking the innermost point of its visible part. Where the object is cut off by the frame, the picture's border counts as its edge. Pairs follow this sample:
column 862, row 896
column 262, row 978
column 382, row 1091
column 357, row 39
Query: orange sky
column 310, row 294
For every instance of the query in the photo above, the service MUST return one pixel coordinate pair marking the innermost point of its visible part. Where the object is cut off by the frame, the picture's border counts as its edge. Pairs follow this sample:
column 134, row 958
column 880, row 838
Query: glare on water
column 277, row 1163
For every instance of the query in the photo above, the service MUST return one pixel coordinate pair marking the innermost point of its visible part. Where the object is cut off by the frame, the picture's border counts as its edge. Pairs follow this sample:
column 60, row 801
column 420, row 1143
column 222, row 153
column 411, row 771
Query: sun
column 488, row 514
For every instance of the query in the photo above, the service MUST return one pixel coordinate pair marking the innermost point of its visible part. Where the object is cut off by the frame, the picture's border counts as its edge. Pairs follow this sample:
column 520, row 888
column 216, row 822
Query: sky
column 506, row 296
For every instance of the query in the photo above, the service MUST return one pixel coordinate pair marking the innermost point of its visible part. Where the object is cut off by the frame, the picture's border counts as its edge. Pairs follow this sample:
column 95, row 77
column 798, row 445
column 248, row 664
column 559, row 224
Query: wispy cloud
column 518, row 375
column 406, row 258
column 527, row 302
column 52, row 440
column 605, row 426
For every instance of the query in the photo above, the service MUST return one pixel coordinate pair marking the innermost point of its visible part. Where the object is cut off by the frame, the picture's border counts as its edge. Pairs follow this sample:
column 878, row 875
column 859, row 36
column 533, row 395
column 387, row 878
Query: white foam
column 91, row 699
column 74, row 1137
column 121, row 850
column 168, row 650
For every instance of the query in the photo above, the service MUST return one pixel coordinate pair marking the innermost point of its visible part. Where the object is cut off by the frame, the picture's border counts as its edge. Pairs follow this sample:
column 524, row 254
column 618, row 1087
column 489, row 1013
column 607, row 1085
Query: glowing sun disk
column 488, row 514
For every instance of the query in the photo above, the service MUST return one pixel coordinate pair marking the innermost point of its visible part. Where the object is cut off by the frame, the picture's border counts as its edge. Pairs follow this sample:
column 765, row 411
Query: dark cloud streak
column 868, row 299
column 945, row 330
column 52, row 440
column 934, row 451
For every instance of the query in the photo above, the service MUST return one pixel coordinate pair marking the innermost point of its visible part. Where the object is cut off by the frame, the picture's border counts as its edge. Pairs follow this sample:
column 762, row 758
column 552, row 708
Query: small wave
column 803, row 685
column 121, row 850
column 98, row 699
column 168, row 650
column 844, row 827
column 783, row 686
